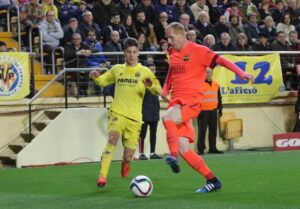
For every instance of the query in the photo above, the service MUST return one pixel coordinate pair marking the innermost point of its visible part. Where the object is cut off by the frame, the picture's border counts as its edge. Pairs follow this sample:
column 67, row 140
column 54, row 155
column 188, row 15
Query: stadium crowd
column 85, row 27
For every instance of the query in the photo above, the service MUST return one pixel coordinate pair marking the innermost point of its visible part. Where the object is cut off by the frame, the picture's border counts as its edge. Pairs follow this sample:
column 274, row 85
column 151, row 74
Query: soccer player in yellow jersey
column 125, row 117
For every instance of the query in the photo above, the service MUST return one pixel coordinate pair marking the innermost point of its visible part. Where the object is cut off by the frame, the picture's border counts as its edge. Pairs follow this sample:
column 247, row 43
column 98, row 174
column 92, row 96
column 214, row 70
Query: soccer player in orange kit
column 188, row 63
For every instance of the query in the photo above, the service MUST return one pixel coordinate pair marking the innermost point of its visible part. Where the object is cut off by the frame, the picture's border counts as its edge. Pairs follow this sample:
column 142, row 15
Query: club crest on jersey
column 137, row 74
column 186, row 58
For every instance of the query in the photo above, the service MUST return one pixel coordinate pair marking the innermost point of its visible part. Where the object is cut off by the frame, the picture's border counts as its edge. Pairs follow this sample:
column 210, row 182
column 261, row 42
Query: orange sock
column 196, row 162
column 172, row 137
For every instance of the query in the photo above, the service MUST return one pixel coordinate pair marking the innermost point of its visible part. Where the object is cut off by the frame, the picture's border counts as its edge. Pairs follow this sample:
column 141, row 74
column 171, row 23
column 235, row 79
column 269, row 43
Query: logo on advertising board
column 11, row 76
column 288, row 141
column 14, row 75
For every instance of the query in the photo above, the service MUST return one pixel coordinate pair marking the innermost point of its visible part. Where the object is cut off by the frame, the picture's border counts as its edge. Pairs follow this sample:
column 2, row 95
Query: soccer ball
column 141, row 186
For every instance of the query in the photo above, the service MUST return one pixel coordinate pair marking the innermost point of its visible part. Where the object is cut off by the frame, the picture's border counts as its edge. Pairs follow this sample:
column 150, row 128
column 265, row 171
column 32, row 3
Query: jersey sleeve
column 106, row 79
column 156, row 87
column 209, row 56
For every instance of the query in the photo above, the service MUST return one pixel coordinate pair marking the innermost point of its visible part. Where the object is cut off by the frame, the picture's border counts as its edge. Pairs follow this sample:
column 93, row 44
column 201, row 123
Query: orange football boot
column 101, row 181
column 125, row 169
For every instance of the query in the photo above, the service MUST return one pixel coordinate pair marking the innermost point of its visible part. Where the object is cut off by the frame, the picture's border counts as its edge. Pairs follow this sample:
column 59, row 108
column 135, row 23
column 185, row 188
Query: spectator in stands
column 113, row 45
column 294, row 11
column 143, row 44
column 31, row 14
column 79, row 13
column 269, row 29
column 235, row 27
column 159, row 28
column 162, row 62
column 4, row 4
column 147, row 7
column 115, row 25
column 251, row 29
column 221, row 27
column 3, row 47
column 124, row 8
column 163, row 6
column 48, row 5
column 214, row 11
column 76, row 55
column 278, row 11
column 199, row 6
column 225, row 43
column 77, row 49
column 181, row 6
column 264, row 10
column 192, row 36
column 185, row 21
column 52, row 33
column 95, row 46
column 128, row 24
column 233, row 9
column 70, row 30
column 210, row 41
column 103, row 11
column 247, row 8
column 203, row 26
column 242, row 43
column 88, row 24
column 262, row 44
column 287, row 62
column 143, row 26
column 150, row 112
column 294, row 45
column 66, row 12
column 286, row 25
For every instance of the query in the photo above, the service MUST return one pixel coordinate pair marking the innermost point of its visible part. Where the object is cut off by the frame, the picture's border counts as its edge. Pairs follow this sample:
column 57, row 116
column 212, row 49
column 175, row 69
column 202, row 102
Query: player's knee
column 113, row 137
column 183, row 145
column 165, row 117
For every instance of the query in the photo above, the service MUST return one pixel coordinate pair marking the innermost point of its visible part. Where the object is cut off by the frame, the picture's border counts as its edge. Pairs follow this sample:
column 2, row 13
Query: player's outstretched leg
column 211, row 185
column 196, row 162
column 106, row 159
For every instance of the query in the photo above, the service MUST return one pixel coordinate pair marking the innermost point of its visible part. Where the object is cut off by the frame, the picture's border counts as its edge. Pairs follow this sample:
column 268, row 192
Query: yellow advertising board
column 14, row 75
column 268, row 79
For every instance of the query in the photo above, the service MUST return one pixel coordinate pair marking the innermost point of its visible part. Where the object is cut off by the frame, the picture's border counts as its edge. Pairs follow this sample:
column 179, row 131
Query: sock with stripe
column 197, row 162
column 106, row 159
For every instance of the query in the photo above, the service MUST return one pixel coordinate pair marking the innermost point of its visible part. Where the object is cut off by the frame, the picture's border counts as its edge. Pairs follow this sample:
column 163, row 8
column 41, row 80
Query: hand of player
column 249, row 77
column 94, row 74
column 164, row 96
column 147, row 82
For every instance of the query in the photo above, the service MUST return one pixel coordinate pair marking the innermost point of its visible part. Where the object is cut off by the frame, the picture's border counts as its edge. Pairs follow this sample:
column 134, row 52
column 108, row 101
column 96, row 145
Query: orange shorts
column 190, row 108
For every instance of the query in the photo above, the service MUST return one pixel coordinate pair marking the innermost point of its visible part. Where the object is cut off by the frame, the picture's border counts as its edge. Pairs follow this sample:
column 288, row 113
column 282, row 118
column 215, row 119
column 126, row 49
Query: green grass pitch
column 256, row 180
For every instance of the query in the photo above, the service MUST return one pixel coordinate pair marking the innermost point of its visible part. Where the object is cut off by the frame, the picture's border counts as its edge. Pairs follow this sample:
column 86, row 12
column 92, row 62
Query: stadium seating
column 230, row 128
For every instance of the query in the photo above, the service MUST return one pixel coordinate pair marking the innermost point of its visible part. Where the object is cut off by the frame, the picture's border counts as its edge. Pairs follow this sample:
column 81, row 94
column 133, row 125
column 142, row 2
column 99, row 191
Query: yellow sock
column 106, row 159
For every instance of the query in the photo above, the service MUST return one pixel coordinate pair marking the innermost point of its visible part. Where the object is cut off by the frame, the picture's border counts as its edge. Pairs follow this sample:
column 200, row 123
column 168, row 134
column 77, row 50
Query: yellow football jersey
column 129, row 88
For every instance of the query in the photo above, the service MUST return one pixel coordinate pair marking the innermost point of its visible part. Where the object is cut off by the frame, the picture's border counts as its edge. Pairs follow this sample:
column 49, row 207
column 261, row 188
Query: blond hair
column 177, row 27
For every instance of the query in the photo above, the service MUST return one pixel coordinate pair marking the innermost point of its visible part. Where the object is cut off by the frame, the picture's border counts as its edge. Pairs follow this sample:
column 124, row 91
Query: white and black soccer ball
column 141, row 186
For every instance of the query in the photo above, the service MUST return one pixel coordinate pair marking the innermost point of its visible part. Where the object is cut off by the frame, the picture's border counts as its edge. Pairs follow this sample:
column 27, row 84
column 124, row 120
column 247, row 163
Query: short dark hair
column 2, row 43
column 130, row 42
